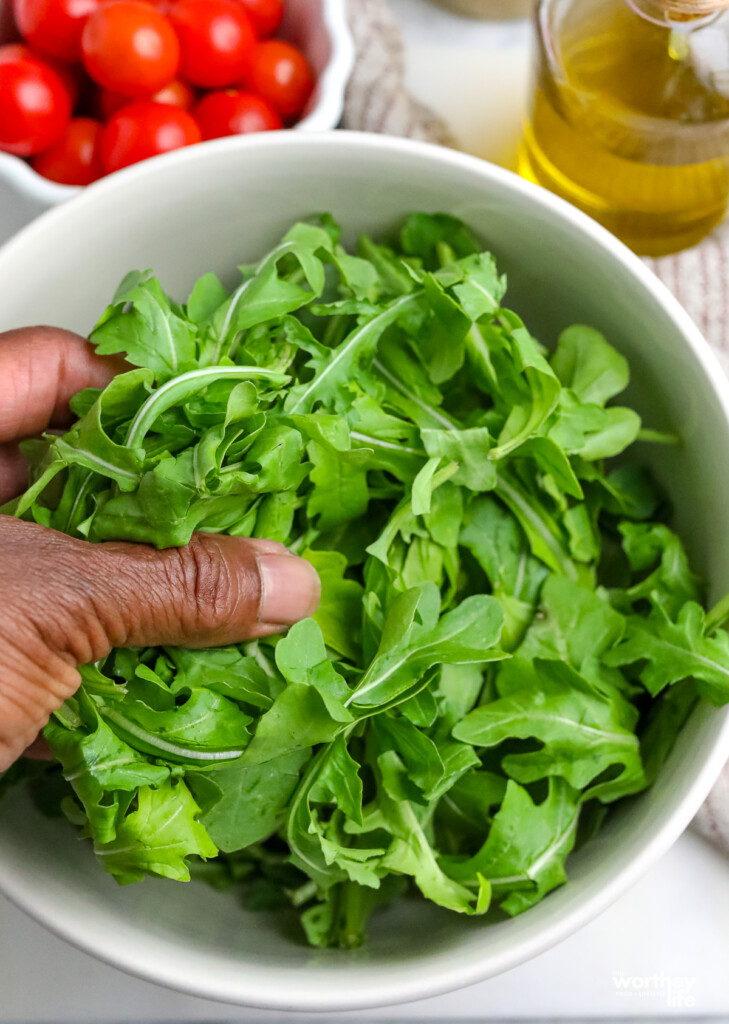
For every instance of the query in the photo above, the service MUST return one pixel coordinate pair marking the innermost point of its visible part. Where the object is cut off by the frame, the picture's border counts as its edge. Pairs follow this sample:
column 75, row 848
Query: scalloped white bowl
column 211, row 208
column 318, row 27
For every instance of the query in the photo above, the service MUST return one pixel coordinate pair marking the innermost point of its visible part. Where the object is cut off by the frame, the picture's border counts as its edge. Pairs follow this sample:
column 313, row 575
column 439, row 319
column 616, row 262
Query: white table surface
column 661, row 952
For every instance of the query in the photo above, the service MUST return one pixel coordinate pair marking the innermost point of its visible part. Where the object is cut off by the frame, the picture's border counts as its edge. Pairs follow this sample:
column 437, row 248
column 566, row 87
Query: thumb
column 68, row 602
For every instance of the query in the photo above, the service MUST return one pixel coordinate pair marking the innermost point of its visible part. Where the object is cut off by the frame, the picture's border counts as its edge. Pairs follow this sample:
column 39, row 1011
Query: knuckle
column 208, row 588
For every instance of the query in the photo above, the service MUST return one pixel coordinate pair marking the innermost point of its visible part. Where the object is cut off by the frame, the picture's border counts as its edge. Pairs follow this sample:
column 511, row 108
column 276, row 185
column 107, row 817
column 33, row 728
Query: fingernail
column 290, row 589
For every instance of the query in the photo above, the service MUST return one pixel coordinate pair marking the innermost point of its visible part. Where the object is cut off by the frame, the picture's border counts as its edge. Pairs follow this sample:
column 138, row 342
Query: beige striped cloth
column 378, row 101
column 699, row 278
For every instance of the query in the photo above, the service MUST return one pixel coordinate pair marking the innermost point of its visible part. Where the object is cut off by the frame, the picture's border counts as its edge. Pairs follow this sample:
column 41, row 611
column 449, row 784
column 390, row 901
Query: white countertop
column 660, row 952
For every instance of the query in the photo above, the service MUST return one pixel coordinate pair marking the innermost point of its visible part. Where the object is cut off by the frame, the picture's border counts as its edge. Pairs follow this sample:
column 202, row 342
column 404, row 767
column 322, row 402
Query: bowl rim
column 151, row 959
column 324, row 115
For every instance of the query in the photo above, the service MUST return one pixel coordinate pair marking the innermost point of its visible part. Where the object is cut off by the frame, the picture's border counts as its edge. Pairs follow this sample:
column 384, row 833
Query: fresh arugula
column 507, row 629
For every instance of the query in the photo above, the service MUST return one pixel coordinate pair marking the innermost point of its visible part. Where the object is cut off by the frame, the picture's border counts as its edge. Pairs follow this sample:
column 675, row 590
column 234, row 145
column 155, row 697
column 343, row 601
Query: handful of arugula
column 507, row 639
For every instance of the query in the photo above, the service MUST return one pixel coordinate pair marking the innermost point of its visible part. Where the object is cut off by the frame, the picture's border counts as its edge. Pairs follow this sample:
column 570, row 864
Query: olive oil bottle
column 630, row 115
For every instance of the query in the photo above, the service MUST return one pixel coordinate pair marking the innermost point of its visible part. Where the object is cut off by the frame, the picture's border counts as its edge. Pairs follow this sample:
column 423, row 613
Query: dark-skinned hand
column 65, row 602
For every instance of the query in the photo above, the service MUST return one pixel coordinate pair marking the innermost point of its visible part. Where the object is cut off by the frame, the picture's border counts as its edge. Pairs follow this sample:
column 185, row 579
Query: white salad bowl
column 211, row 208
column 318, row 27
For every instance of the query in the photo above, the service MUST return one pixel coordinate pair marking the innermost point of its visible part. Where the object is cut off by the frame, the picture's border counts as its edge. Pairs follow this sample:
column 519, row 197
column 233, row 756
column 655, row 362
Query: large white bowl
column 210, row 208
column 318, row 27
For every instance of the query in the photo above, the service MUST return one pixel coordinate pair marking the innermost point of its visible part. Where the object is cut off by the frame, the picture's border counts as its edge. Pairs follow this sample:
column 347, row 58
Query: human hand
column 66, row 602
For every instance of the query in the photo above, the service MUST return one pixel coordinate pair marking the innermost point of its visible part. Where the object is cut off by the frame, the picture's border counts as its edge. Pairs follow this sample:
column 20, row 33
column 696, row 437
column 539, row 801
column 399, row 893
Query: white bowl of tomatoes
column 88, row 87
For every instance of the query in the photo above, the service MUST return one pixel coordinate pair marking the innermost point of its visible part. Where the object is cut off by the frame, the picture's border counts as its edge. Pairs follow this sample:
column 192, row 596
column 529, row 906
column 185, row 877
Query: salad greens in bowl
column 512, row 642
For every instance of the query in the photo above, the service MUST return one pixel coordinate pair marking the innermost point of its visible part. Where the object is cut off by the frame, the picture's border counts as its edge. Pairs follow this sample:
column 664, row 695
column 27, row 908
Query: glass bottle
column 630, row 115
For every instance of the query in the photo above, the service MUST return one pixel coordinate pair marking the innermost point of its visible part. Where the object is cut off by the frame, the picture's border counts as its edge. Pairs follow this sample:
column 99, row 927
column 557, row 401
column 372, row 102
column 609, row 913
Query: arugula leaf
column 312, row 707
column 652, row 546
column 533, row 389
column 326, row 855
column 96, row 762
column 158, row 837
column 422, row 234
column 496, row 540
column 142, row 323
column 205, row 719
column 591, row 431
column 676, row 650
column 576, row 626
column 588, row 366
column 243, row 804
column 524, row 854
column 226, row 671
column 89, row 443
column 271, row 289
column 333, row 368
column 582, row 731
column 467, row 448
column 410, row 853
column 206, row 297
column 340, row 490
column 413, row 641
column 339, row 613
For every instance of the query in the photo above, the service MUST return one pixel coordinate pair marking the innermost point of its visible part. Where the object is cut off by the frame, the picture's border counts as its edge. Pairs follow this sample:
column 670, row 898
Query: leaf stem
column 439, row 418
column 166, row 749
column 187, row 384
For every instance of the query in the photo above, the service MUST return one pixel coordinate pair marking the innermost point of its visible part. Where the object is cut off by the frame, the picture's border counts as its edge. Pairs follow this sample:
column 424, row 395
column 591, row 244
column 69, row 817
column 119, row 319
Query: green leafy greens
column 509, row 635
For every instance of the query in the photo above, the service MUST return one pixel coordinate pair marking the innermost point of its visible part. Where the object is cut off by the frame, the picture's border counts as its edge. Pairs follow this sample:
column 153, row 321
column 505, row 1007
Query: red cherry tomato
column 70, row 74
column 176, row 94
column 145, row 129
column 130, row 47
column 281, row 75
column 234, row 113
column 266, row 15
column 34, row 106
column 54, row 27
column 14, row 51
column 74, row 159
column 216, row 40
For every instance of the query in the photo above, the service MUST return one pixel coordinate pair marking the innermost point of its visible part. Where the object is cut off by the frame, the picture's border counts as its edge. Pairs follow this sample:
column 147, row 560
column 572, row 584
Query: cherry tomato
column 74, row 158
column 176, row 94
column 145, row 129
column 234, row 113
column 54, row 27
column 281, row 75
column 130, row 47
column 70, row 74
column 14, row 51
column 34, row 106
column 266, row 15
column 216, row 40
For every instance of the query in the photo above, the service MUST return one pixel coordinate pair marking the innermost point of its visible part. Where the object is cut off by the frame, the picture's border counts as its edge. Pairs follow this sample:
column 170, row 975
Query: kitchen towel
column 377, row 100
column 699, row 278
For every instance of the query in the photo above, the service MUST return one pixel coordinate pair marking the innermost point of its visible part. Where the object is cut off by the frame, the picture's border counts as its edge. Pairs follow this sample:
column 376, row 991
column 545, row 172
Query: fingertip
column 290, row 589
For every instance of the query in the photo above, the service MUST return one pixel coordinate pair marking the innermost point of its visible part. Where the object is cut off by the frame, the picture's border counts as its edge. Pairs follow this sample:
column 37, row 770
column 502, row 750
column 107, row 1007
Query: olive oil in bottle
column 630, row 115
